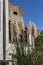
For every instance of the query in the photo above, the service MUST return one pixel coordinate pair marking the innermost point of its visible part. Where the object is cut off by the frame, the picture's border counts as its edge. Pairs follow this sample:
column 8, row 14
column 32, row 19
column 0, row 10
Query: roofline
column 15, row 5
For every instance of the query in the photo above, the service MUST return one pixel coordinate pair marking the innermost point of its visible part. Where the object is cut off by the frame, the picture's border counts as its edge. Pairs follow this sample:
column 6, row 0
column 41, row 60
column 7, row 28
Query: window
column 9, row 31
column 15, row 13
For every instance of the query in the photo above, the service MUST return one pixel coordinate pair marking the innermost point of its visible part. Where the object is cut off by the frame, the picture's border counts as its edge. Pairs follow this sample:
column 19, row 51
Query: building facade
column 14, row 14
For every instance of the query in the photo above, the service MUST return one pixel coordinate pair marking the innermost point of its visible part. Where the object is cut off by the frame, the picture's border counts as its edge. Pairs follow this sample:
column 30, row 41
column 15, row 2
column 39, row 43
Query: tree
column 39, row 40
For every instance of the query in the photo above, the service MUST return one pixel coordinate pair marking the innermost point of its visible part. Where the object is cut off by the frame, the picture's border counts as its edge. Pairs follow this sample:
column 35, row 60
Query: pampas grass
column 34, row 30
column 15, row 28
column 29, row 28
column 22, row 26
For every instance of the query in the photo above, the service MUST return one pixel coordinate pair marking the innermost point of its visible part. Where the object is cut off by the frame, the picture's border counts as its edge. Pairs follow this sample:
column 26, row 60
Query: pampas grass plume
column 15, row 28
column 22, row 26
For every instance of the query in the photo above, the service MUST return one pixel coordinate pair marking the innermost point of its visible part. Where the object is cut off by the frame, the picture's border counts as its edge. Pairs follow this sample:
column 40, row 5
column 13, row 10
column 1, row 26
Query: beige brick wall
column 13, row 8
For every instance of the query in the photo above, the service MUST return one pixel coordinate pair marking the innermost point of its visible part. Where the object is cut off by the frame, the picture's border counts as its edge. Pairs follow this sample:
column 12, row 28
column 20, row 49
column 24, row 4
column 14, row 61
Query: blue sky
column 32, row 10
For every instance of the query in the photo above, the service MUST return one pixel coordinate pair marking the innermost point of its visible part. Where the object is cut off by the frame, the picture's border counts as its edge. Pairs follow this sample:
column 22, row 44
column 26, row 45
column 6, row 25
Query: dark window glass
column 15, row 13
column 9, row 31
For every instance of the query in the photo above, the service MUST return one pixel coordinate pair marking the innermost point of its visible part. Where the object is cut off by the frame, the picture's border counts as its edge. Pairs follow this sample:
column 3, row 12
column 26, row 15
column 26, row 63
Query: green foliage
column 39, row 39
column 35, row 58
column 29, row 59
column 22, row 59
column 13, row 63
